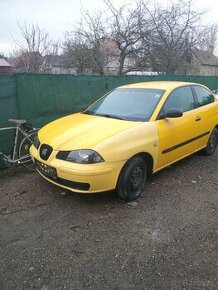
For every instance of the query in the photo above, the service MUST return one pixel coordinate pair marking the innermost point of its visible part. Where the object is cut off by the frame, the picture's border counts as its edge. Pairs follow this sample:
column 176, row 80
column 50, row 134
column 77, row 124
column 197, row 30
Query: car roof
column 164, row 85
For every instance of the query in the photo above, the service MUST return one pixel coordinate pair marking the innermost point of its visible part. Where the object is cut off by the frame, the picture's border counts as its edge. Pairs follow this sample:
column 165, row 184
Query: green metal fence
column 41, row 98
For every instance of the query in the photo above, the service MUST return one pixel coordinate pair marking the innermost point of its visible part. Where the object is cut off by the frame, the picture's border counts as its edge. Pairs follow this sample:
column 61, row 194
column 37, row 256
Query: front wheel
column 24, row 154
column 132, row 179
column 212, row 143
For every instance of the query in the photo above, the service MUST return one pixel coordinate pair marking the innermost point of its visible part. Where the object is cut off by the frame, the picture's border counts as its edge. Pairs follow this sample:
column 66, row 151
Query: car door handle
column 198, row 119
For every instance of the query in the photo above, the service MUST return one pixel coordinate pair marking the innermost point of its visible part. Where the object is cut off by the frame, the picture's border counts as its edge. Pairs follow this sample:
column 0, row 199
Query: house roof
column 57, row 60
column 3, row 62
column 206, row 57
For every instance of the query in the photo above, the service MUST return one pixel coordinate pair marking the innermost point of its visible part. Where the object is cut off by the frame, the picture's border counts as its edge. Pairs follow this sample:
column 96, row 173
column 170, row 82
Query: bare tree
column 128, row 28
column 176, row 30
column 114, row 37
column 90, row 31
column 209, row 40
column 77, row 55
column 142, row 35
column 34, row 49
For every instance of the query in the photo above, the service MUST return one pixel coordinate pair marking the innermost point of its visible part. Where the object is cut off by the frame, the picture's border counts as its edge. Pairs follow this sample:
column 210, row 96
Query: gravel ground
column 51, row 239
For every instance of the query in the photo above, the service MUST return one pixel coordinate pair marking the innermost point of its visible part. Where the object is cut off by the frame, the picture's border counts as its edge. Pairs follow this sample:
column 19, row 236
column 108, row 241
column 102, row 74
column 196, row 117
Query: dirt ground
column 165, row 240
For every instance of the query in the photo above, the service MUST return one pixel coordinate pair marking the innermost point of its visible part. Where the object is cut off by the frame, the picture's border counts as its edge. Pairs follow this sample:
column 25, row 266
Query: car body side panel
column 208, row 115
column 178, row 131
column 139, row 139
column 178, row 137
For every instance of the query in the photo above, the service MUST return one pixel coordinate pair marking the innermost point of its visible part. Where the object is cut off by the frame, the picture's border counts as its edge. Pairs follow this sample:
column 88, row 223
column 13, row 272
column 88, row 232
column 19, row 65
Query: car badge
column 44, row 152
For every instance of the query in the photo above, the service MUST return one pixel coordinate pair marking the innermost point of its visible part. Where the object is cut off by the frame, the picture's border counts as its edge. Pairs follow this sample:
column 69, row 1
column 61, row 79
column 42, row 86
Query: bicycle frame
column 17, row 129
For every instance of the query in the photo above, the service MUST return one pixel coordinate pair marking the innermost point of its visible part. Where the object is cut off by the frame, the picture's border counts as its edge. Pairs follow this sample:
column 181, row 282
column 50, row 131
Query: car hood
column 81, row 131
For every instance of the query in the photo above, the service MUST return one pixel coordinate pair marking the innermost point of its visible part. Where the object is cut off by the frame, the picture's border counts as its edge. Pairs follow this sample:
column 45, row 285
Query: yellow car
column 129, row 133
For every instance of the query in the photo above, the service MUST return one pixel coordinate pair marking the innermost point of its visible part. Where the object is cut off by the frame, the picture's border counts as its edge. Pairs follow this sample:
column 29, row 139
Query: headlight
column 36, row 141
column 83, row 156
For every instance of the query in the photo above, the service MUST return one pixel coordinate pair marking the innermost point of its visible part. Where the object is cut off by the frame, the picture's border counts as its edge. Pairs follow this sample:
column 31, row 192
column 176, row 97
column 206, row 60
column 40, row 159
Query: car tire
column 132, row 179
column 212, row 143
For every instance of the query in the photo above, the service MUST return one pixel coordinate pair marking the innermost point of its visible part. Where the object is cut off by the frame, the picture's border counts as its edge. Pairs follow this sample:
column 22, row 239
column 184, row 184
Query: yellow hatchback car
column 129, row 133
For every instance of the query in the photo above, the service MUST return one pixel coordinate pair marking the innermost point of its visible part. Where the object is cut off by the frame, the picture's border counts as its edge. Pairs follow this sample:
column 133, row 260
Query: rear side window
column 204, row 96
column 181, row 99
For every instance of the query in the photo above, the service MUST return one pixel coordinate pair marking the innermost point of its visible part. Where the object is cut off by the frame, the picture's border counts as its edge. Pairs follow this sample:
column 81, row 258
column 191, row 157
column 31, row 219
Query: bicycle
column 20, row 155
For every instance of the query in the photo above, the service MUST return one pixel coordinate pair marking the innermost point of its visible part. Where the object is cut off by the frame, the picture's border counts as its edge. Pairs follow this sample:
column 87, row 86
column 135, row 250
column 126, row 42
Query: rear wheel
column 132, row 179
column 24, row 154
column 212, row 143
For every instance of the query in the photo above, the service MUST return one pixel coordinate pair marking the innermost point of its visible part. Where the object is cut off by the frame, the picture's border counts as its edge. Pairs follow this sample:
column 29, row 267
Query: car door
column 178, row 137
column 206, row 112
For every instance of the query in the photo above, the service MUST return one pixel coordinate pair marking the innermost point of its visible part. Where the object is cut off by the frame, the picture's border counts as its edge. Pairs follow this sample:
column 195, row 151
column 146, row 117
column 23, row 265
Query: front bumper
column 84, row 178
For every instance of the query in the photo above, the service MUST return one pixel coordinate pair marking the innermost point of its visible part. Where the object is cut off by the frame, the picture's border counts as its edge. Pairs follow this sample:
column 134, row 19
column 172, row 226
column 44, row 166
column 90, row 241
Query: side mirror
column 171, row 113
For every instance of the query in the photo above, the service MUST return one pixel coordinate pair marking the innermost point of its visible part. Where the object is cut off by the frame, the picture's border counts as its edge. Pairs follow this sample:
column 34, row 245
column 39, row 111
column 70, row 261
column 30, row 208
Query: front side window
column 127, row 104
column 204, row 96
column 181, row 99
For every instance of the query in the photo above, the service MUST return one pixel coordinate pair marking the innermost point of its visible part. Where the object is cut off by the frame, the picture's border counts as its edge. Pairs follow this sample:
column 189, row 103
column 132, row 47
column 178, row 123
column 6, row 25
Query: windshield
column 127, row 104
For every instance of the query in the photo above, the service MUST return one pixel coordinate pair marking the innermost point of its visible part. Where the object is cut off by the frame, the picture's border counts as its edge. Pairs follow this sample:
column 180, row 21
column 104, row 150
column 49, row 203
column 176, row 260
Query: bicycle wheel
column 24, row 154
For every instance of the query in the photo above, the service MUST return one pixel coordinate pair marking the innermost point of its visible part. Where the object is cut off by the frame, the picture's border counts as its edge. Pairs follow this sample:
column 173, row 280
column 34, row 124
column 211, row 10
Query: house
column 27, row 62
column 58, row 65
column 200, row 62
column 5, row 67
column 61, row 64
column 112, row 56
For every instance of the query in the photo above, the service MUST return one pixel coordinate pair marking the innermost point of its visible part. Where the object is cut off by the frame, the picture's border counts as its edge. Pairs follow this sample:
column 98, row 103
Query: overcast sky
column 55, row 16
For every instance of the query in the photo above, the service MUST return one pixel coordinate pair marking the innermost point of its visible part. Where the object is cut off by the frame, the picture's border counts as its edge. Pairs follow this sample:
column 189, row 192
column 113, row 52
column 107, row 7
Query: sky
column 57, row 16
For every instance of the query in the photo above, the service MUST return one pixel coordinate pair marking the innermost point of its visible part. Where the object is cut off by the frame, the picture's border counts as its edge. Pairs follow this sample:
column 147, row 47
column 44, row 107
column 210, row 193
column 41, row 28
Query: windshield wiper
column 110, row 116
column 89, row 112
column 104, row 115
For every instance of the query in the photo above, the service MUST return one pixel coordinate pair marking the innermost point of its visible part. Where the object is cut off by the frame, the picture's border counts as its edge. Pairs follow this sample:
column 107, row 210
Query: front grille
column 45, row 151
column 73, row 184
column 69, row 183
